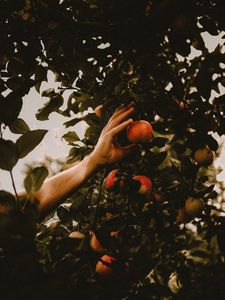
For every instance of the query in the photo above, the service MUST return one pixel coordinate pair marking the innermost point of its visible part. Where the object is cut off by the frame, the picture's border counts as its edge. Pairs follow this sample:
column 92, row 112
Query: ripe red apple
column 145, row 184
column 139, row 132
column 98, row 111
column 103, row 267
column 194, row 207
column 203, row 156
column 96, row 245
column 112, row 181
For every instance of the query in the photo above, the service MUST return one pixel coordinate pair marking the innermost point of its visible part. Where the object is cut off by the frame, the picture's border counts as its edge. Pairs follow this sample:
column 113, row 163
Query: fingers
column 120, row 110
column 114, row 131
column 120, row 118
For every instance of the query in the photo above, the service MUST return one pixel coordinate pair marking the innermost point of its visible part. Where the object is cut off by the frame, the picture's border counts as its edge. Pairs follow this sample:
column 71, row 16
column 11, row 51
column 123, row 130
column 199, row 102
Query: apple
column 182, row 216
column 96, row 245
column 203, row 156
column 98, row 111
column 145, row 184
column 194, row 207
column 103, row 267
column 112, row 181
column 139, row 132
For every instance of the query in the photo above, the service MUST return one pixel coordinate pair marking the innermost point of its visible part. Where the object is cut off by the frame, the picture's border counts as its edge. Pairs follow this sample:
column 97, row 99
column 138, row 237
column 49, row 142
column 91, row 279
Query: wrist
column 91, row 164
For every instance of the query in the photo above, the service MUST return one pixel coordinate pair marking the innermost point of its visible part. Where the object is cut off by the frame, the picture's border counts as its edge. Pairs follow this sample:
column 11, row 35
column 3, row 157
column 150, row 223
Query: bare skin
column 57, row 188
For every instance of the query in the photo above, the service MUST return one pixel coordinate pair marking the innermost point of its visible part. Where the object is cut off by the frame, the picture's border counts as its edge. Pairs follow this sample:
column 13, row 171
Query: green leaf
column 19, row 126
column 72, row 122
column 48, row 93
column 40, row 75
column 52, row 105
column 8, row 155
column 29, row 140
column 35, row 179
column 63, row 214
column 71, row 137
column 15, row 82
column 10, row 108
column 159, row 142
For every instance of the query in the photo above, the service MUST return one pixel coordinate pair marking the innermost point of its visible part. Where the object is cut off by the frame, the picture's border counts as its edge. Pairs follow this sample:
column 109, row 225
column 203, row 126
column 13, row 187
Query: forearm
column 57, row 188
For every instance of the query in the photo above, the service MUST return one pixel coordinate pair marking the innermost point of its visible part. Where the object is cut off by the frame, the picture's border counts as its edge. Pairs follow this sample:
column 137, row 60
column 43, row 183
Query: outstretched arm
column 57, row 188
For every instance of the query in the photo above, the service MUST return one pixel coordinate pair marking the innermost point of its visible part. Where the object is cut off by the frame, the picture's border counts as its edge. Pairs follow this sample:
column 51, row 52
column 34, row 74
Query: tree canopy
column 111, row 53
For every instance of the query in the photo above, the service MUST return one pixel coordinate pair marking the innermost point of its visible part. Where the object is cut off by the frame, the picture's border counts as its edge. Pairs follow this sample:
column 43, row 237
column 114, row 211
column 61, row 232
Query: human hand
column 107, row 150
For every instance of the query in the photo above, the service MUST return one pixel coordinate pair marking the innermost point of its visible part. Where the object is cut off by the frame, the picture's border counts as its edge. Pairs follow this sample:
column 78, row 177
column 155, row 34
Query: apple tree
column 151, row 226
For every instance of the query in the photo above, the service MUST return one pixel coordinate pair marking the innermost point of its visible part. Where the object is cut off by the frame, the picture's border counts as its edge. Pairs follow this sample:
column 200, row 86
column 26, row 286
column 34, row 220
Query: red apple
column 145, row 184
column 139, row 132
column 96, row 245
column 103, row 267
column 112, row 181
column 194, row 207
column 203, row 156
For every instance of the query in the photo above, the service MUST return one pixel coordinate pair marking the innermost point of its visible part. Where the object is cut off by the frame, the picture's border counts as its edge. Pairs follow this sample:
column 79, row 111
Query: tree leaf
column 48, row 93
column 72, row 122
column 10, row 108
column 40, row 75
column 71, row 137
column 19, row 126
column 29, row 140
column 63, row 214
column 8, row 155
column 35, row 179
column 159, row 142
column 52, row 105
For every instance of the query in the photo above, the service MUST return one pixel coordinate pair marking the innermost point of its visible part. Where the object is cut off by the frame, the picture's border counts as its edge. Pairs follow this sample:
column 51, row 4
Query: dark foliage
column 112, row 53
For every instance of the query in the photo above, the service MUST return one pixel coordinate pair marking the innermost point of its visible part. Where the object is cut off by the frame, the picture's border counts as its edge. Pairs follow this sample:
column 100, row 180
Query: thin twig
column 1, row 132
column 14, row 186
column 98, row 199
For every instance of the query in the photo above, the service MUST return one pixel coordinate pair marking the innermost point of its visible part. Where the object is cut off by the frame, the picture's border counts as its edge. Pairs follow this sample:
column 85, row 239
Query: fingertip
column 132, row 103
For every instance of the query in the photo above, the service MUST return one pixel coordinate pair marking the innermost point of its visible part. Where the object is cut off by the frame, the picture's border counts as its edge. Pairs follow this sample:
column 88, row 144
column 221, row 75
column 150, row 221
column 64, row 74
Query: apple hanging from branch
column 139, row 132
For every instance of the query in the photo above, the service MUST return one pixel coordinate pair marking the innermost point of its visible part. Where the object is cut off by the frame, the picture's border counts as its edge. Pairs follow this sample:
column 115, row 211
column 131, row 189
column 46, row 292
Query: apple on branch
column 145, row 187
column 113, row 181
column 139, row 132
column 104, row 266
column 203, row 156
column 95, row 245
